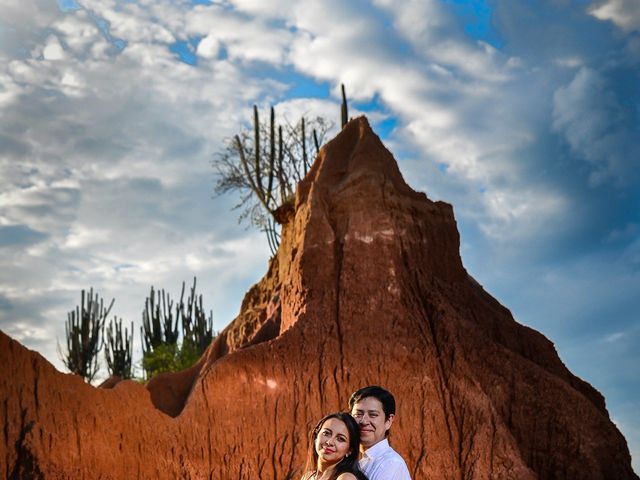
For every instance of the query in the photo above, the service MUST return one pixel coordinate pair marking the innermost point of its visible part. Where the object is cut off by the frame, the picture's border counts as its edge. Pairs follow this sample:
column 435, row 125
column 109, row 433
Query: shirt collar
column 378, row 449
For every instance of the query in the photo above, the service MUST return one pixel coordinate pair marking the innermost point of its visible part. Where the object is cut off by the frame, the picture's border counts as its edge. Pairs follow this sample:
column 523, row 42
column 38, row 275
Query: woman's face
column 332, row 441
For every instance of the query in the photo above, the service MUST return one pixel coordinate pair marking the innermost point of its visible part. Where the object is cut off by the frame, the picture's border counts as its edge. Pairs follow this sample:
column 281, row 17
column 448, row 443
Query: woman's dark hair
column 347, row 464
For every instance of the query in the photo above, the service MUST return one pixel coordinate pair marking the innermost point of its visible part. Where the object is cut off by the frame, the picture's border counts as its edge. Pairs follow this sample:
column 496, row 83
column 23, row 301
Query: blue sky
column 524, row 115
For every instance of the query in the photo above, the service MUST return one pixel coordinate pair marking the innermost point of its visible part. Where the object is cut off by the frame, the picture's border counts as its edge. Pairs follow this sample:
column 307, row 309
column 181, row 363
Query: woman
column 333, row 449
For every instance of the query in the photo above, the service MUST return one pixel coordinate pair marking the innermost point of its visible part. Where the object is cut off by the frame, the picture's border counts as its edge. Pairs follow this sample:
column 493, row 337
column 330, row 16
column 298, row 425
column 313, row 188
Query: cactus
column 83, row 331
column 303, row 140
column 196, row 328
column 158, row 325
column 267, row 176
column 162, row 326
column 343, row 108
column 118, row 349
column 256, row 145
column 316, row 143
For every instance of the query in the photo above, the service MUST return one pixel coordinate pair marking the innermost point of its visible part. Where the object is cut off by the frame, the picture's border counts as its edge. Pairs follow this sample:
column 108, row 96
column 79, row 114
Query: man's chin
column 367, row 442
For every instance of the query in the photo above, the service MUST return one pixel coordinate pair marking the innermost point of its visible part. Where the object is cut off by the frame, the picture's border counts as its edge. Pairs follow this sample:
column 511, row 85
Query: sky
column 525, row 116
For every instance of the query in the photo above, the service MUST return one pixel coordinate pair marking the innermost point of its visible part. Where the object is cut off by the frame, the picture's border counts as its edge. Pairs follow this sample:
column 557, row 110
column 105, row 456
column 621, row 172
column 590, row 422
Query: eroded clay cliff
column 367, row 287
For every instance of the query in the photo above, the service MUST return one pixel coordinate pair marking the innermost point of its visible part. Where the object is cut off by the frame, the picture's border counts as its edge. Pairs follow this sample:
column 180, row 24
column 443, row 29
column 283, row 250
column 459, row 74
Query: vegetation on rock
column 265, row 167
column 174, row 338
column 118, row 349
column 83, row 331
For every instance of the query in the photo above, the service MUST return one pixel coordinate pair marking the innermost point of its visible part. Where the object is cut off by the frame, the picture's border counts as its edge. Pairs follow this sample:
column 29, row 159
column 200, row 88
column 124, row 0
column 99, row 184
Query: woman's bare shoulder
column 347, row 476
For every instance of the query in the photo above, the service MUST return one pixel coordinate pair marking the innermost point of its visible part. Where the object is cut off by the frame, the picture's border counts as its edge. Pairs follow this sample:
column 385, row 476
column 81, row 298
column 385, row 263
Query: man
column 374, row 408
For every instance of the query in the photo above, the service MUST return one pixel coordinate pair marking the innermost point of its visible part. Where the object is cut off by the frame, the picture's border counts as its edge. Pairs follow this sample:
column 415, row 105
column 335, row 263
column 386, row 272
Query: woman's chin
column 330, row 458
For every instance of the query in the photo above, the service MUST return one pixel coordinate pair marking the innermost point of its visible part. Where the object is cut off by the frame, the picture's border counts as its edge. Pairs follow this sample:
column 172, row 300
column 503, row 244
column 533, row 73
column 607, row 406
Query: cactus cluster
column 83, row 331
column 118, row 349
column 197, row 329
column 158, row 324
column 174, row 336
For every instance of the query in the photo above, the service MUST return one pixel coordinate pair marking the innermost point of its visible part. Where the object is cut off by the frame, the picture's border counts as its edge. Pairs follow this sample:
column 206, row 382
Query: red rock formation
column 367, row 287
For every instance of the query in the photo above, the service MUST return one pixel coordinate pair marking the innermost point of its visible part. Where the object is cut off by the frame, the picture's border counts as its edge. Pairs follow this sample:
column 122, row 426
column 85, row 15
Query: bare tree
column 265, row 165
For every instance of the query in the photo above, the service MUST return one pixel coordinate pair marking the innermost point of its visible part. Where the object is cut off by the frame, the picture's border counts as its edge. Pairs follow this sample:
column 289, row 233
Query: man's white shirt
column 381, row 462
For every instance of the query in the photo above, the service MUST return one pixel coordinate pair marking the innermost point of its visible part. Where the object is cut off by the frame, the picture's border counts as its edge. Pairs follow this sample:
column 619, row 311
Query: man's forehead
column 369, row 404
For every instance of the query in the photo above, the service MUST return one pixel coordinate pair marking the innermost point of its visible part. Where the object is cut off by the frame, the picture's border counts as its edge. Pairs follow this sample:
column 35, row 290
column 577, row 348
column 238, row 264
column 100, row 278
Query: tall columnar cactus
column 158, row 324
column 119, row 349
column 83, row 331
column 253, row 174
column 343, row 109
column 303, row 140
column 256, row 149
column 197, row 330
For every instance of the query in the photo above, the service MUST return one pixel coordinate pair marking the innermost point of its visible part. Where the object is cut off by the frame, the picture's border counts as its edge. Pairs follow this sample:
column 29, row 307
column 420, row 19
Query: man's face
column 369, row 414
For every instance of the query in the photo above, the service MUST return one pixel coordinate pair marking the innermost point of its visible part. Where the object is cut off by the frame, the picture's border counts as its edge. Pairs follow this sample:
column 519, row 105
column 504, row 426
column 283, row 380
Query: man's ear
column 389, row 421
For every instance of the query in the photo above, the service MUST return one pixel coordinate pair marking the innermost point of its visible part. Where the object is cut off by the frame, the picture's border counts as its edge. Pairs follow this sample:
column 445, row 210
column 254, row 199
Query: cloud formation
column 625, row 14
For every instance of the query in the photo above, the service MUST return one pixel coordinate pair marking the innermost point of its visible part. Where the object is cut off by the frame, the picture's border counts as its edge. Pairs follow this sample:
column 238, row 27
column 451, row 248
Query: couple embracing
column 354, row 446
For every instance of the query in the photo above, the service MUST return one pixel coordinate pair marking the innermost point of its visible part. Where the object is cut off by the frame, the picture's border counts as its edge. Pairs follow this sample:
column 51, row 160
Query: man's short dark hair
column 384, row 396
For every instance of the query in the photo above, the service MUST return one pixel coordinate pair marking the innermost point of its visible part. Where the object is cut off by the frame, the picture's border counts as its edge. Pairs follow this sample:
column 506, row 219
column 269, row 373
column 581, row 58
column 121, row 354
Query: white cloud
column 53, row 50
column 245, row 39
column 625, row 14
column 569, row 62
column 208, row 47
column 18, row 22
column 519, row 214
column 594, row 123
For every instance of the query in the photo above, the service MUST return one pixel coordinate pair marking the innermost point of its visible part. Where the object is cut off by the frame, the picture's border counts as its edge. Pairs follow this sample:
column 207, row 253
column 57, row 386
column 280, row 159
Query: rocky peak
column 367, row 288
